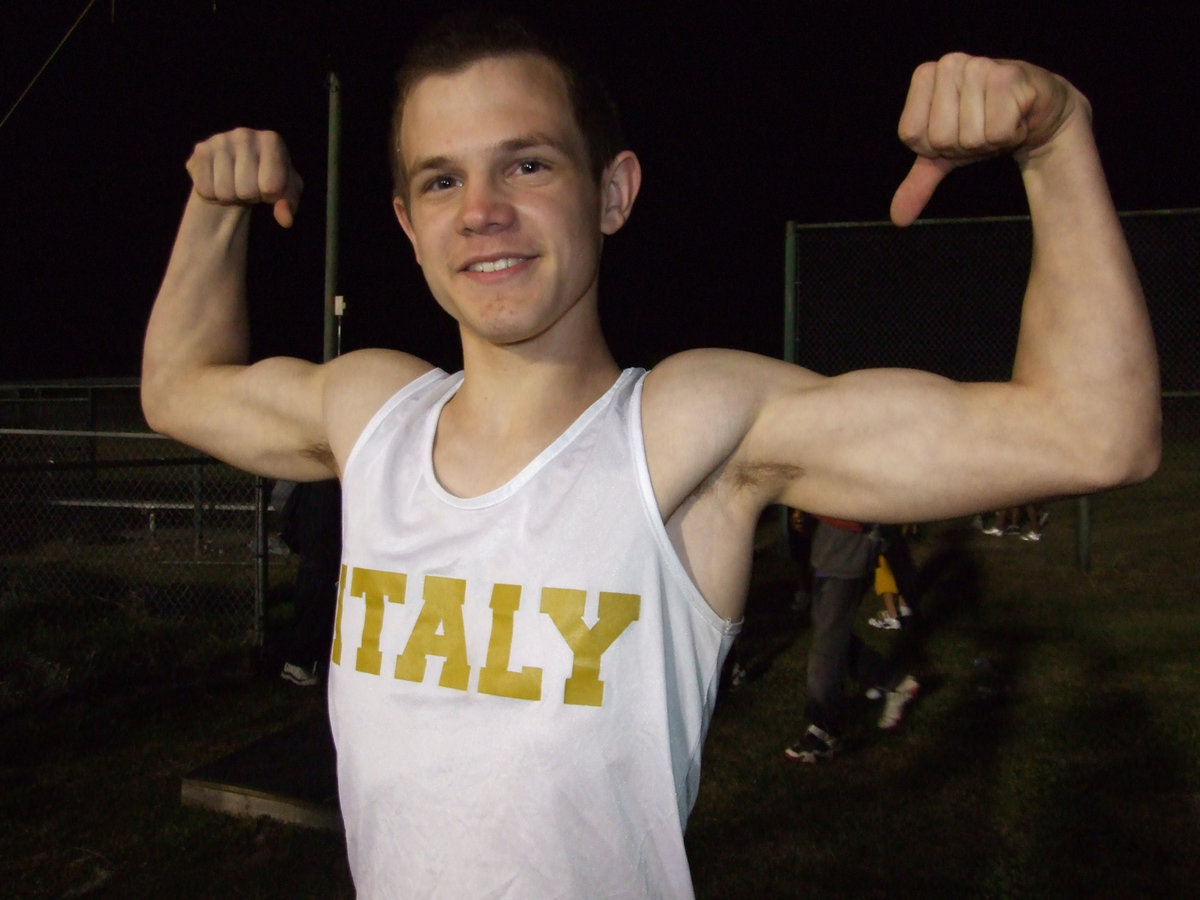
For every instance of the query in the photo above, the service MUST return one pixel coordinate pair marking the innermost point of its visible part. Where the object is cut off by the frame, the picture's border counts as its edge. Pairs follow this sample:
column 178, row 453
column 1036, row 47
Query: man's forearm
column 1085, row 332
column 199, row 316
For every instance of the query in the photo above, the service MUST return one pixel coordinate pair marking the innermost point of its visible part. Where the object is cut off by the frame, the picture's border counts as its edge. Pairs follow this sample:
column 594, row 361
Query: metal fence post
column 1083, row 533
column 197, row 515
column 261, row 552
column 790, row 339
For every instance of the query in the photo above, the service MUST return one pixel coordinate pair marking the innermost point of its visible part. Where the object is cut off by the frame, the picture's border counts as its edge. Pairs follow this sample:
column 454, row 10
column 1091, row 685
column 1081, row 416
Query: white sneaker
column 814, row 746
column 299, row 675
column 896, row 700
column 905, row 609
column 884, row 621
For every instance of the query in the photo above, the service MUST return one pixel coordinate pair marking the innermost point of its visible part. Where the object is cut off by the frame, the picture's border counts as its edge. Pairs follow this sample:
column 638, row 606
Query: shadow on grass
column 1114, row 793
column 820, row 830
column 1052, row 751
column 840, row 829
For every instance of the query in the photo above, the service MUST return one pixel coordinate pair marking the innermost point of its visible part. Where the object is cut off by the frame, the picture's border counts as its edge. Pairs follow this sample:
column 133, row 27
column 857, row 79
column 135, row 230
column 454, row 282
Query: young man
column 546, row 558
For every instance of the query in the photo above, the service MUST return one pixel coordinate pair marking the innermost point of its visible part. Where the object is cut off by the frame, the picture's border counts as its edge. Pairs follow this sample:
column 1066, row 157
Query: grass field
column 1054, row 750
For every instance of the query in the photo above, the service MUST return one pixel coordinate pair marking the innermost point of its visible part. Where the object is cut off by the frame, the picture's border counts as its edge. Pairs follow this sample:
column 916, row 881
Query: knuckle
column 908, row 133
column 955, row 59
column 923, row 75
column 925, row 70
column 271, row 142
column 976, row 66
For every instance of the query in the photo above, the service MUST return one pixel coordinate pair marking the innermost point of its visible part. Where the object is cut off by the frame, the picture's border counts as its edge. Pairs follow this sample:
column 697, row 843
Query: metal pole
column 789, row 294
column 261, row 555
column 1083, row 533
column 331, row 214
column 339, row 310
column 197, row 511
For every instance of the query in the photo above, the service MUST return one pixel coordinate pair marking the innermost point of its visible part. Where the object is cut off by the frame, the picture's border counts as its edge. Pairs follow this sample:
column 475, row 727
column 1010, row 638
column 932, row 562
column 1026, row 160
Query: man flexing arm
column 1081, row 412
column 281, row 417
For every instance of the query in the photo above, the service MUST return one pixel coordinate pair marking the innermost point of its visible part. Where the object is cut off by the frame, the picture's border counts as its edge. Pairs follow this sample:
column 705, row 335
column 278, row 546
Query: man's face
column 503, row 214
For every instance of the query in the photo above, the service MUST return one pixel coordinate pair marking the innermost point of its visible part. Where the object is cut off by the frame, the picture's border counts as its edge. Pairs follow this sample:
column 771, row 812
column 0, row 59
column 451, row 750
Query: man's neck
column 511, row 390
column 511, row 406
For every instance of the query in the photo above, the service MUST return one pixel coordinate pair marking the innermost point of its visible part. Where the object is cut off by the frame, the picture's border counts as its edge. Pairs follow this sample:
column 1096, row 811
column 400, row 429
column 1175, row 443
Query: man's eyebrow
column 430, row 162
column 534, row 140
column 517, row 144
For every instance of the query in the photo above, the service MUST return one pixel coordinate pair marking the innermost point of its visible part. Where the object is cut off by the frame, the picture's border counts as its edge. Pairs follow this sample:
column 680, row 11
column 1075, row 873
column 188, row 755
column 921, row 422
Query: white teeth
column 496, row 265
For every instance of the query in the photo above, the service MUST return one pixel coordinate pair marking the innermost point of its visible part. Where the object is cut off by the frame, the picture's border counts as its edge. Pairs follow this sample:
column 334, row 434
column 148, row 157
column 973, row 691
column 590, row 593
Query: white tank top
column 521, row 681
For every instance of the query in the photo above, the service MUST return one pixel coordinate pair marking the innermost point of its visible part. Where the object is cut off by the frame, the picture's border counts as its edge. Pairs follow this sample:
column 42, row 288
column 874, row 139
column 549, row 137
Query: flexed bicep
column 196, row 382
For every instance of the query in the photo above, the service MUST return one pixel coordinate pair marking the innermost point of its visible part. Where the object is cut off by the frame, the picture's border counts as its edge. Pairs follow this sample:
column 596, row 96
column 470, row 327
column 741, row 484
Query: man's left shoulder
column 697, row 406
column 713, row 381
column 708, row 367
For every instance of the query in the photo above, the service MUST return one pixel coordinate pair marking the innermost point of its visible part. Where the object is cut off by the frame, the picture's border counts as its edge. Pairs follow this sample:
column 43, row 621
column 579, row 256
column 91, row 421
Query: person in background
column 894, row 566
column 1008, row 522
column 311, row 527
column 842, row 553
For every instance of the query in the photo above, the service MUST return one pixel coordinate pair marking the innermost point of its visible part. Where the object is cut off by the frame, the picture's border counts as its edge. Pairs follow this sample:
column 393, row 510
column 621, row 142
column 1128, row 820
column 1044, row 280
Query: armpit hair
column 755, row 476
column 764, row 475
column 321, row 453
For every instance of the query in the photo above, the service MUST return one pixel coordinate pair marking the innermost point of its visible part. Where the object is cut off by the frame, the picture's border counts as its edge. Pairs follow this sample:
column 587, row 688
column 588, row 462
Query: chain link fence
column 96, row 506
column 945, row 295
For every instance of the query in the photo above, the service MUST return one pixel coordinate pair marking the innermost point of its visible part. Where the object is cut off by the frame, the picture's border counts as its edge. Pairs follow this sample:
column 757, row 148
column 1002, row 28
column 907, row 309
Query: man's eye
column 530, row 166
column 439, row 183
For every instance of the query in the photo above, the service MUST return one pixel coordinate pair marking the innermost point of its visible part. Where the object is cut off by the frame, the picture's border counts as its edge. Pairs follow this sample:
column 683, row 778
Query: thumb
column 284, row 213
column 917, row 187
column 286, row 206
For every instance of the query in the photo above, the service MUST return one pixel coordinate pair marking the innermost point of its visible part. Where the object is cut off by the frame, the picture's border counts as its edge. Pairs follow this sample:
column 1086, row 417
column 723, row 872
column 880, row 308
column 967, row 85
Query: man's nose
column 486, row 207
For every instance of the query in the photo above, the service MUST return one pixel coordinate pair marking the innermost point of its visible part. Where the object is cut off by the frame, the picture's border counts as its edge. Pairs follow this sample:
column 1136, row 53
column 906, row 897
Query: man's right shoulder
column 357, row 384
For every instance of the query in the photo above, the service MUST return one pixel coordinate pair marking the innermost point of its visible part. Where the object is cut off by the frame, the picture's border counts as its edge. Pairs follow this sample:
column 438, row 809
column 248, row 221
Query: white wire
column 53, row 54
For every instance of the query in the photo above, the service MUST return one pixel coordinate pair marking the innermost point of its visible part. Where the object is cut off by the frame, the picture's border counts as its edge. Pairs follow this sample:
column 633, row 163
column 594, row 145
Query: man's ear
column 618, row 189
column 406, row 224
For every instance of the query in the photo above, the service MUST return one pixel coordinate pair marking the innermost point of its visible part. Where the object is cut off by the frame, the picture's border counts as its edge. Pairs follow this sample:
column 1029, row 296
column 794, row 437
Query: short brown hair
column 452, row 44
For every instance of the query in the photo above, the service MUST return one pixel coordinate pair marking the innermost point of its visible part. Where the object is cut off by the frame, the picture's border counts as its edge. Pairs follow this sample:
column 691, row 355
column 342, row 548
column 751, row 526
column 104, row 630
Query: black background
column 744, row 116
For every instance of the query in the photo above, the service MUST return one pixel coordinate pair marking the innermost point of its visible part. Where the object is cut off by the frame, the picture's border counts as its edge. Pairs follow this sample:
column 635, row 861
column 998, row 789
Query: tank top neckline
column 531, row 469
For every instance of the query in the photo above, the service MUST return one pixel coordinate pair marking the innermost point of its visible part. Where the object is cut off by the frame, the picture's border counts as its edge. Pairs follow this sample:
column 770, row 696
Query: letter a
column 443, row 608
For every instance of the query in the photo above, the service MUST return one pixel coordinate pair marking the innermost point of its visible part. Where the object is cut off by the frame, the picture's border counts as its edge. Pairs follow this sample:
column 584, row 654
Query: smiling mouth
column 496, row 265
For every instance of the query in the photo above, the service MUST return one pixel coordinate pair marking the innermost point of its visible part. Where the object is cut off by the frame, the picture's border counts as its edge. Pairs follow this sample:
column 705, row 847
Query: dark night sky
column 744, row 117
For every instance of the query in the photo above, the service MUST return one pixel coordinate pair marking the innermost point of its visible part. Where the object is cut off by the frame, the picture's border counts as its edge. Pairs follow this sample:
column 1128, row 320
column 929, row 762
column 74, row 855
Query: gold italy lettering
column 443, row 609
column 565, row 608
column 373, row 586
column 494, row 677
column 337, row 619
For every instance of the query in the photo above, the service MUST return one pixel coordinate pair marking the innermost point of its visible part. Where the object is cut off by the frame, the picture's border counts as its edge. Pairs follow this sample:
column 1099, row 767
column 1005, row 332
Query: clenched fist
column 243, row 167
column 965, row 108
